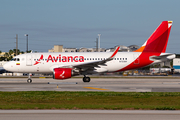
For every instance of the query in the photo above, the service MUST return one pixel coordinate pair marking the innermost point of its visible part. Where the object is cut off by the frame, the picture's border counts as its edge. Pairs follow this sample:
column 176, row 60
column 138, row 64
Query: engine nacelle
column 62, row 73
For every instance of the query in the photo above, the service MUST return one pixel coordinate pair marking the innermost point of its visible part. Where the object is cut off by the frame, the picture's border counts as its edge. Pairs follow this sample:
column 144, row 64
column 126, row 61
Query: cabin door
column 28, row 60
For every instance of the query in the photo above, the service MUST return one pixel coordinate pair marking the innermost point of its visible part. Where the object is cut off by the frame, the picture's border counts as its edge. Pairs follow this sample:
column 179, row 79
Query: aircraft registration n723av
column 65, row 65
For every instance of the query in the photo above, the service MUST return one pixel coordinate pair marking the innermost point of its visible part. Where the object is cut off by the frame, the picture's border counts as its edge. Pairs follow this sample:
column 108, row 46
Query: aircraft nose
column 6, row 66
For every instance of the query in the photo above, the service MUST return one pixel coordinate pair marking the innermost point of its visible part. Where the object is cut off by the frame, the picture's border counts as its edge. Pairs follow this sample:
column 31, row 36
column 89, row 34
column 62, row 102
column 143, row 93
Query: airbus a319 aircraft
column 65, row 65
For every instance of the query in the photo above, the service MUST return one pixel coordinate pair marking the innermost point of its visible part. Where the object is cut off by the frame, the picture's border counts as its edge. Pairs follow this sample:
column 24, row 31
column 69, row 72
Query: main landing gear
column 29, row 78
column 86, row 79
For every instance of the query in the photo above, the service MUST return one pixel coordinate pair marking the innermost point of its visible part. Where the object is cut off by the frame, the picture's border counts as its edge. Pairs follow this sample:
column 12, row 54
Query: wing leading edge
column 91, row 65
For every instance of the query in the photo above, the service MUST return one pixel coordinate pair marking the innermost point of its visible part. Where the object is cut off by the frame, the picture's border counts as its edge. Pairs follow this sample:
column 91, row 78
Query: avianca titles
column 66, row 65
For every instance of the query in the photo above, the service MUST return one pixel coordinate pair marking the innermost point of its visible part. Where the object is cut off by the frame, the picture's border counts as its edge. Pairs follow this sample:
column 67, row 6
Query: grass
column 90, row 100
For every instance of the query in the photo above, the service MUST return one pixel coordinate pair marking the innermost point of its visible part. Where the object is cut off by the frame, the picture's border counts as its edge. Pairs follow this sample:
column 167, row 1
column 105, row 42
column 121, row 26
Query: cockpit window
column 15, row 59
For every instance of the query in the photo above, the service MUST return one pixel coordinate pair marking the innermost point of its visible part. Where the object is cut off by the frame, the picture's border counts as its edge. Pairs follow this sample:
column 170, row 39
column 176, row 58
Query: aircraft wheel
column 86, row 79
column 29, row 81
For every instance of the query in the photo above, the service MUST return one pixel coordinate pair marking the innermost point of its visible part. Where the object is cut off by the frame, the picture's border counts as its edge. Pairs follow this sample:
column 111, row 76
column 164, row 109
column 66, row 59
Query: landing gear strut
column 86, row 79
column 29, row 78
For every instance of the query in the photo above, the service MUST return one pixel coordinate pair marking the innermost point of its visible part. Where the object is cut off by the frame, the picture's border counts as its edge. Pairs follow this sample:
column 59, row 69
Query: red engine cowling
column 62, row 73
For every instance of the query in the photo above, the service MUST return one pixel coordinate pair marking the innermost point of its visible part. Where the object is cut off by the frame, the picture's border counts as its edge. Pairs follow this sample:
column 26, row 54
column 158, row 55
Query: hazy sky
column 76, row 23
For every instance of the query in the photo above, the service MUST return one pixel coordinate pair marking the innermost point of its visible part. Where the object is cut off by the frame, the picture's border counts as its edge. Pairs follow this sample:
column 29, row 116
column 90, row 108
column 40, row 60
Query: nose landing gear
column 29, row 78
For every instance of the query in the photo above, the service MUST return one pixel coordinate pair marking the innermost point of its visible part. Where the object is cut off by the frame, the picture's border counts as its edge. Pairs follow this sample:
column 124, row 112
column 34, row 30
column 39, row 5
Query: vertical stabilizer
column 157, row 42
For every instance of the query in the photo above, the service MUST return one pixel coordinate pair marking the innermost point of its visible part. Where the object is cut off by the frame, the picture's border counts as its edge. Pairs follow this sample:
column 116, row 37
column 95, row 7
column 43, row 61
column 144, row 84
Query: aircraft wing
column 87, row 65
column 91, row 65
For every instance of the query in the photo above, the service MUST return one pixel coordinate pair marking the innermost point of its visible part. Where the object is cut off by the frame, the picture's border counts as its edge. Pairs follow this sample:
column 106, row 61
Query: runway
column 97, row 84
column 89, row 114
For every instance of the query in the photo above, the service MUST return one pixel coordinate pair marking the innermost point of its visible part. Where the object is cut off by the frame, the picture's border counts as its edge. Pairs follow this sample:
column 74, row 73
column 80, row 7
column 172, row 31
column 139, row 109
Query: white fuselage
column 46, row 62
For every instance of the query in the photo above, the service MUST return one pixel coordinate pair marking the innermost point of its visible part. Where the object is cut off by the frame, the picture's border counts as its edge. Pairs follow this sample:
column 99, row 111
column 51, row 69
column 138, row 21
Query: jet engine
column 62, row 73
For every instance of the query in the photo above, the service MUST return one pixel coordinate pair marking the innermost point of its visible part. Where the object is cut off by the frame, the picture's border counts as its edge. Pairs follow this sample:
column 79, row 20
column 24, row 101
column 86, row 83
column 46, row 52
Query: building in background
column 133, row 47
column 69, row 50
column 176, row 65
column 59, row 48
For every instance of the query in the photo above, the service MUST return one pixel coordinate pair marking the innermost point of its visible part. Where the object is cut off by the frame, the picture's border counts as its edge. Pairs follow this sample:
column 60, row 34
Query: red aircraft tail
column 157, row 42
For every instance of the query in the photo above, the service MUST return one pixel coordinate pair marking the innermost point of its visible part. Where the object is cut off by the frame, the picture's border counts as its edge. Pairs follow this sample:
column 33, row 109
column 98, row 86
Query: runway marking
column 95, row 88
column 42, row 77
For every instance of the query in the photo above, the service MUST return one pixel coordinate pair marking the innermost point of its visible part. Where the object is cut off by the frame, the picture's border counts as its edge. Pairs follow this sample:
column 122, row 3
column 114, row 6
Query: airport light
column 99, row 41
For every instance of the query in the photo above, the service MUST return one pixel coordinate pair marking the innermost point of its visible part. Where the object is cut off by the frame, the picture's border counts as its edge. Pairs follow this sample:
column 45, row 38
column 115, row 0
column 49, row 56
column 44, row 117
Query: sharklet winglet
column 115, row 52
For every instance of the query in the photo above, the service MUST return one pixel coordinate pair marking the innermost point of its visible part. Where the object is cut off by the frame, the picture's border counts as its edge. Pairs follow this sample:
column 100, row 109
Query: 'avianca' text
column 60, row 59
column 65, row 58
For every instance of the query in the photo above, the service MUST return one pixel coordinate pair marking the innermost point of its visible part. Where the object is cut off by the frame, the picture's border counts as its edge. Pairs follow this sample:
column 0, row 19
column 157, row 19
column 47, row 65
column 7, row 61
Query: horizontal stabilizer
column 163, row 57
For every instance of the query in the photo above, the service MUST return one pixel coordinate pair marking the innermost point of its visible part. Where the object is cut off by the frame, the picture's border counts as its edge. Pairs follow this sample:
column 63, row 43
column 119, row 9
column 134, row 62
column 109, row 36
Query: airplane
column 65, row 65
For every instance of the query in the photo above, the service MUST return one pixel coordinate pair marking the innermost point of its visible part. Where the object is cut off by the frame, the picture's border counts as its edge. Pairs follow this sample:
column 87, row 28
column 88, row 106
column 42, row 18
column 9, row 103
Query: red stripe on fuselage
column 143, row 61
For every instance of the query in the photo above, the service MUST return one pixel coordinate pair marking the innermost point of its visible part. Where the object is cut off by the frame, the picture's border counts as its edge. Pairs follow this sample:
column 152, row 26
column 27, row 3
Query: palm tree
column 22, row 52
column 14, row 51
column 10, row 58
column 10, row 52
column 6, row 55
